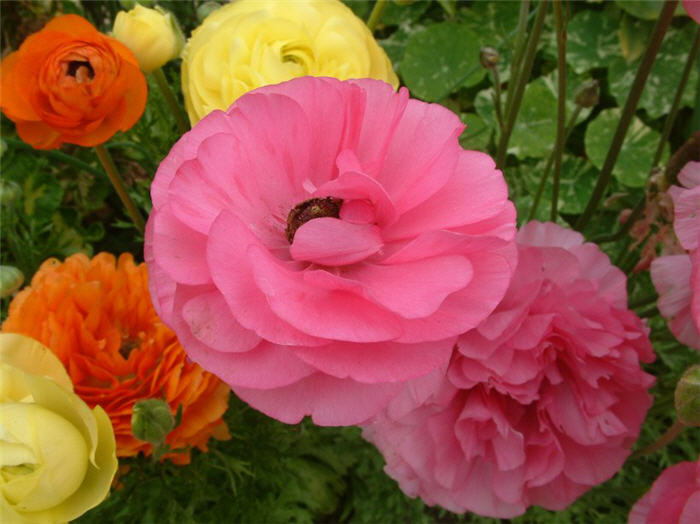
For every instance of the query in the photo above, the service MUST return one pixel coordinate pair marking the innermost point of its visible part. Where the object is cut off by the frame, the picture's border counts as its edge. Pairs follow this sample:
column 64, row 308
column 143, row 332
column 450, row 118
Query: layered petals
column 353, row 244
column 541, row 401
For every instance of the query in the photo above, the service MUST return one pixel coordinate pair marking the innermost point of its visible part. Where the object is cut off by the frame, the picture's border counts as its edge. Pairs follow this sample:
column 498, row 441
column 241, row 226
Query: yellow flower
column 153, row 35
column 57, row 457
column 252, row 43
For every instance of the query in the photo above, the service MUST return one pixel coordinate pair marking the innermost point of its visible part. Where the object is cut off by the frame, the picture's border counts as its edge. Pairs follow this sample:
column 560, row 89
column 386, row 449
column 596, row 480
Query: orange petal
column 12, row 100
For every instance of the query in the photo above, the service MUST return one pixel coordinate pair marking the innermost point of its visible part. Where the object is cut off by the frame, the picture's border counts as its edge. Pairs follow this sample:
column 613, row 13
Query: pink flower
column 692, row 7
column 677, row 277
column 674, row 497
column 322, row 242
column 542, row 401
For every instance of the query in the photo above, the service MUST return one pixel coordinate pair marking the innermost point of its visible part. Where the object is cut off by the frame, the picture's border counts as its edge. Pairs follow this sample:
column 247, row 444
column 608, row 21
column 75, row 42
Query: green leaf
column 395, row 14
column 634, row 162
column 644, row 9
column 42, row 195
column 477, row 134
column 591, row 40
column 440, row 59
column 634, row 35
column 535, row 129
column 576, row 183
column 664, row 77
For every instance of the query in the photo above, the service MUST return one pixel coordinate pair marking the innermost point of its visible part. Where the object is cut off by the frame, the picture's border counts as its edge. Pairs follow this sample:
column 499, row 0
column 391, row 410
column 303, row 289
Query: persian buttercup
column 322, row 242
column 542, row 400
column 677, row 277
column 253, row 43
column 674, row 497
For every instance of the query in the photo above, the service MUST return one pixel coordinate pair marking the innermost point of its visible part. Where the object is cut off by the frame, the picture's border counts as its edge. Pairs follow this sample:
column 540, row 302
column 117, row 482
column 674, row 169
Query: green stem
column 664, row 440
column 376, row 14
column 561, row 106
column 176, row 108
column 497, row 96
column 550, row 161
column 670, row 119
column 518, row 50
column 650, row 53
column 118, row 183
column 523, row 77
column 625, row 228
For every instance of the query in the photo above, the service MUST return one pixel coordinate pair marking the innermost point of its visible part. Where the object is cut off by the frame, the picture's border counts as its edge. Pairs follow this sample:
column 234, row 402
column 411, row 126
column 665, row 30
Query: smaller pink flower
column 677, row 277
column 692, row 7
column 542, row 401
column 674, row 497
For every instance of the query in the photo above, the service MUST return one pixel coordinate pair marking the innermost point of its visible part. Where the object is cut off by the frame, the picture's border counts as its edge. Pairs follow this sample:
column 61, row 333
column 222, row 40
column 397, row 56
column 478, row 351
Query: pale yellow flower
column 57, row 456
column 251, row 43
column 153, row 35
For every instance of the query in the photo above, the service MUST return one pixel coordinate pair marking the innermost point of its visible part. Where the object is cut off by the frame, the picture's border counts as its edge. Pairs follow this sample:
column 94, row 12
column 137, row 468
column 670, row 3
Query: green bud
column 151, row 421
column 489, row 57
column 687, row 397
column 206, row 9
column 588, row 94
column 11, row 279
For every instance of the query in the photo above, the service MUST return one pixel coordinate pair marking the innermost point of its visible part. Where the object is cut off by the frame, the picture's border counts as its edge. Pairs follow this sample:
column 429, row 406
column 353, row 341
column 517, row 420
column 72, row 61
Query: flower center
column 81, row 70
column 128, row 345
column 310, row 209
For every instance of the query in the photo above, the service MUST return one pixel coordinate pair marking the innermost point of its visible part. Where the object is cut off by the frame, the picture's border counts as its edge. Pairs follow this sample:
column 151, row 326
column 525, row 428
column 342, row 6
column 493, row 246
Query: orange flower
column 96, row 316
column 70, row 83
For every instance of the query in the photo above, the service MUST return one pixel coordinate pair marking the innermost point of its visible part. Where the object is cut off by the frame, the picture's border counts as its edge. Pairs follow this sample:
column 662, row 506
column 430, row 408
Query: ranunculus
column 153, row 35
column 323, row 241
column 57, row 457
column 97, row 317
column 69, row 83
column 542, row 400
column 692, row 7
column 252, row 43
column 677, row 277
column 674, row 497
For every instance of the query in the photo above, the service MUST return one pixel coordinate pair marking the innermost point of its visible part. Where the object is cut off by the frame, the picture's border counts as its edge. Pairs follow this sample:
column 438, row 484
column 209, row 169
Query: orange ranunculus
column 96, row 316
column 70, row 83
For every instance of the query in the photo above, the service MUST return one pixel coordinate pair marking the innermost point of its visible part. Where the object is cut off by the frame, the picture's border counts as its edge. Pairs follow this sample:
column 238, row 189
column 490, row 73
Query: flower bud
column 11, row 279
column 151, row 421
column 206, row 9
column 489, row 57
column 687, row 397
column 153, row 35
column 588, row 94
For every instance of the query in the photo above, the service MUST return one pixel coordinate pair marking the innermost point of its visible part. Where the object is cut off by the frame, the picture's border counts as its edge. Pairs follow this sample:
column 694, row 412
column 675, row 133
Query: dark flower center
column 128, row 345
column 81, row 70
column 310, row 209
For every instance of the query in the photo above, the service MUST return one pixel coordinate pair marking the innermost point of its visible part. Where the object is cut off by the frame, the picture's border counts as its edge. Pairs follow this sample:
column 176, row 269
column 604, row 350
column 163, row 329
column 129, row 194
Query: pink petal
column 671, row 277
column 329, row 241
column 330, row 401
column 544, row 234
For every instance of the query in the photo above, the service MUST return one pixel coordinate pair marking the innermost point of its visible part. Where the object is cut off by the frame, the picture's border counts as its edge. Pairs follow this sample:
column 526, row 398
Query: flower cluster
column 96, row 316
column 677, row 277
column 543, row 400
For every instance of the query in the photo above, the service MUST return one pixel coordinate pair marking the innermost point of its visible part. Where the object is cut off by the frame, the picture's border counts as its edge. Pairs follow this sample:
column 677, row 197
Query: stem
column 664, row 440
column 176, row 108
column 550, row 161
column 561, row 106
column 376, row 14
column 118, row 183
column 625, row 228
column 497, row 96
column 518, row 50
column 650, row 53
column 670, row 119
column 523, row 77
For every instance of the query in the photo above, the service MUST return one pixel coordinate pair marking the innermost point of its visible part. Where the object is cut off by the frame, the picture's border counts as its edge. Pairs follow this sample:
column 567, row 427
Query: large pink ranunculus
column 543, row 400
column 674, row 498
column 677, row 277
column 322, row 242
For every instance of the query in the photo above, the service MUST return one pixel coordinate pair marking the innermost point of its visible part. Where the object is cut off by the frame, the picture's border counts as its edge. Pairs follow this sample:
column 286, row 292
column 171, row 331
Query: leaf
column 535, row 129
column 576, row 183
column 440, row 59
column 42, row 195
column 634, row 35
column 477, row 134
column 396, row 14
column 644, row 9
column 663, row 79
column 634, row 162
column 591, row 40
